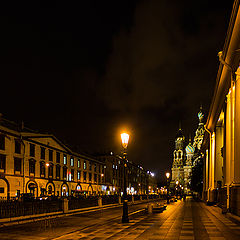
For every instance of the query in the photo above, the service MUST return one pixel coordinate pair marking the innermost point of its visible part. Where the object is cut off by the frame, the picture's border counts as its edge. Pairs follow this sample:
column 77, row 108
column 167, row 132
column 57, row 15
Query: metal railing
column 12, row 208
column 82, row 202
column 17, row 208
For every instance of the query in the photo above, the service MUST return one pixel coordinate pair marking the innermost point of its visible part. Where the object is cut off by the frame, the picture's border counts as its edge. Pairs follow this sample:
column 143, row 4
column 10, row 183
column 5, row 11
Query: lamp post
column 167, row 176
column 125, row 139
column 176, row 193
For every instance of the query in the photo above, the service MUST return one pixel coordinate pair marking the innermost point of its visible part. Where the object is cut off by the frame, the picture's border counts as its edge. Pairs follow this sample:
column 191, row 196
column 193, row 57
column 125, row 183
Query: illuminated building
column 40, row 164
column 178, row 160
column 221, row 145
column 137, row 178
column 185, row 158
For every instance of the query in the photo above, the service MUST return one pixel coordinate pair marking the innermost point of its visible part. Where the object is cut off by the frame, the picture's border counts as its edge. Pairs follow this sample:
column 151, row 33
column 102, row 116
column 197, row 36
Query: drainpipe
column 21, row 139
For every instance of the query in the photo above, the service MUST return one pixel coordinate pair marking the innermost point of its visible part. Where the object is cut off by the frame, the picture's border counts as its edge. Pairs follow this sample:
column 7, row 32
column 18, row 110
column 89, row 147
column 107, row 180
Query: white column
column 207, row 170
column 236, row 179
column 228, row 141
column 218, row 156
column 232, row 97
column 212, row 160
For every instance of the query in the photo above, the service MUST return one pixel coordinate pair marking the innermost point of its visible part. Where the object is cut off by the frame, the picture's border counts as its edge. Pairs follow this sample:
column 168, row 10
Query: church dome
column 190, row 149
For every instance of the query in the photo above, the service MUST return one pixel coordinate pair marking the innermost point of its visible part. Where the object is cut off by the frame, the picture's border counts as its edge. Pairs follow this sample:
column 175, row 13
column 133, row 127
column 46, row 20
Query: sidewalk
column 230, row 216
column 182, row 220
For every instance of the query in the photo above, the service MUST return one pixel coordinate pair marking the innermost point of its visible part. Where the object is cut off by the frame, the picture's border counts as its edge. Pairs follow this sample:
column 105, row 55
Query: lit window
column 65, row 159
column 78, row 175
column 72, row 161
column 84, row 165
column 79, row 163
column 113, row 166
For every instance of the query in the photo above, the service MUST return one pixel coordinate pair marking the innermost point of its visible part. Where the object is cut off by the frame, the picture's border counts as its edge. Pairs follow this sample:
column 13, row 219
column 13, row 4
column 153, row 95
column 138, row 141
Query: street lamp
column 125, row 139
column 167, row 176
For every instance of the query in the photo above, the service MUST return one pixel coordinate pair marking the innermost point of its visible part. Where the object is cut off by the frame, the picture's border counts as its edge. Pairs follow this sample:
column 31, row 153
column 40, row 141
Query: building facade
column 138, row 180
column 40, row 164
column 221, row 146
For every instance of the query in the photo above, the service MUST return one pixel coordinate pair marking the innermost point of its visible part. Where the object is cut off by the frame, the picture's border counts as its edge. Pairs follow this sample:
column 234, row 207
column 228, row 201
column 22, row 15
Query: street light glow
column 125, row 139
column 167, row 175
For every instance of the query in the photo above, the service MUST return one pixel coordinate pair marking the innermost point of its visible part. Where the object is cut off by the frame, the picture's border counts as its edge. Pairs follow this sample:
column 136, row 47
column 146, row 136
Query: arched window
column 49, row 190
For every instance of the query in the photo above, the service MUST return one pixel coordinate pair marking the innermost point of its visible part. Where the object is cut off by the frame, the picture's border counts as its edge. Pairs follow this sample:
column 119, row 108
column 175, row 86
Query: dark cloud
column 86, row 70
column 161, row 70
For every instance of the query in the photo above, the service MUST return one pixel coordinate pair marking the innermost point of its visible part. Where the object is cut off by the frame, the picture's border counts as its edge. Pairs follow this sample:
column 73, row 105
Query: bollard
column 132, row 199
column 65, row 205
column 140, row 198
column 100, row 202
column 119, row 200
column 150, row 208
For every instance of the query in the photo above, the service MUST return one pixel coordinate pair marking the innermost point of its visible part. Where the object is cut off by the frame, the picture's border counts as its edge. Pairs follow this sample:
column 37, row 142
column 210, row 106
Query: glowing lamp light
column 167, row 175
column 47, row 164
column 102, row 175
column 125, row 139
column 177, row 182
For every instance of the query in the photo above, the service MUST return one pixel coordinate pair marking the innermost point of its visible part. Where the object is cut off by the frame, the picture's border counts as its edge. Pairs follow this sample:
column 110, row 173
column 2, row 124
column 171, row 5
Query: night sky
column 85, row 70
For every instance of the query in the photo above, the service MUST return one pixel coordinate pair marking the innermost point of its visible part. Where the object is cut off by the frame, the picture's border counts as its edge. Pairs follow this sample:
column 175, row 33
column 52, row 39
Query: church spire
column 180, row 128
column 190, row 139
column 200, row 115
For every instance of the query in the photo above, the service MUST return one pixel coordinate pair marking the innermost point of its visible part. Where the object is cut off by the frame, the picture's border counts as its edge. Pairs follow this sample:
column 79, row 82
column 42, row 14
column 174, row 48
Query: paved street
column 182, row 220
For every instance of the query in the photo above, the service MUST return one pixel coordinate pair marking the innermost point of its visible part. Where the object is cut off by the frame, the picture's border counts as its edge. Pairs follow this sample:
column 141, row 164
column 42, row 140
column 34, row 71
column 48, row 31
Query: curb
column 233, row 217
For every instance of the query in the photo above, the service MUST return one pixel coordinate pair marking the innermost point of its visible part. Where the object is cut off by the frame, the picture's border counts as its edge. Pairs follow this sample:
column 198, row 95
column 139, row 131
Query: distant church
column 185, row 157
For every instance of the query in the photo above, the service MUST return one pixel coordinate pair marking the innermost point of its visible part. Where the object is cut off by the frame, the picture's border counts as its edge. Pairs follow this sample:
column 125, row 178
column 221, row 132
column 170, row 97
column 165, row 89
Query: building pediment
column 47, row 140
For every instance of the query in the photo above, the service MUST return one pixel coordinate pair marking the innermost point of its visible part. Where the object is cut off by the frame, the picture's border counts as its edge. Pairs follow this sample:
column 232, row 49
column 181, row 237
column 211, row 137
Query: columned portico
column 223, row 124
